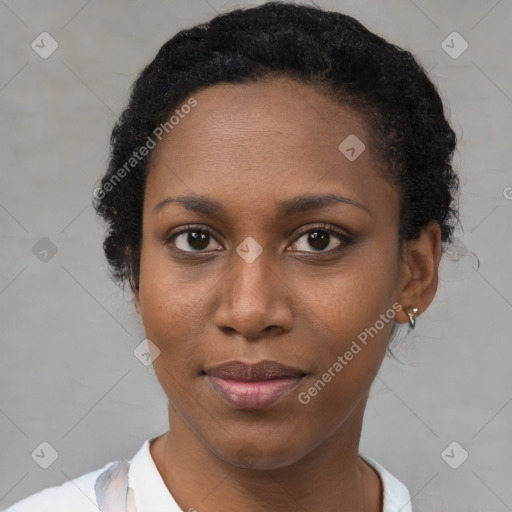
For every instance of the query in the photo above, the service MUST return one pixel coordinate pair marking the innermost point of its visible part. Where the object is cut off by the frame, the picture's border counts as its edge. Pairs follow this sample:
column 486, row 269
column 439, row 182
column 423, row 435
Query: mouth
column 253, row 386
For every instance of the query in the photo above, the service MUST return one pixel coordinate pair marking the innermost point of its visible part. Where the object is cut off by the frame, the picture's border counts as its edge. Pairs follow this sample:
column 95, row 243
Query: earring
column 412, row 311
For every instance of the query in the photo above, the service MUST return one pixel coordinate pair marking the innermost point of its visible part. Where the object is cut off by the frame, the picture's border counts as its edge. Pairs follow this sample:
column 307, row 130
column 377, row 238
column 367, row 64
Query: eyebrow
column 201, row 204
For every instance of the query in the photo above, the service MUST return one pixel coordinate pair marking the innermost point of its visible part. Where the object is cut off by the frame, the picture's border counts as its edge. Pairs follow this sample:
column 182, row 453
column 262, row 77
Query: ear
column 419, row 271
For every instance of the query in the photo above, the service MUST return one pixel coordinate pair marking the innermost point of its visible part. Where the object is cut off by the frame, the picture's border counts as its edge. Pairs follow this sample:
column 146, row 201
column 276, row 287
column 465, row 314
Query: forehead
column 263, row 140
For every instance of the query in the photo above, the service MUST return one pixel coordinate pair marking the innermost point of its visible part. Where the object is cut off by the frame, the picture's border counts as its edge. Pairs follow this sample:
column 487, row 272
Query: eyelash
column 344, row 239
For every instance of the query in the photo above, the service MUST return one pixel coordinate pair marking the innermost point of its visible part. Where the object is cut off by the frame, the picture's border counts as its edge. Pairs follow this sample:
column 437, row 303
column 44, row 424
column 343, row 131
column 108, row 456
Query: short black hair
column 330, row 50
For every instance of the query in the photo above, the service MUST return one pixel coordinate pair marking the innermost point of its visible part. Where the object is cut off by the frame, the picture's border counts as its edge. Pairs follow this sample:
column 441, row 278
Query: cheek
column 167, row 302
column 355, row 295
column 166, row 290
column 360, row 317
column 359, row 314
column 171, row 321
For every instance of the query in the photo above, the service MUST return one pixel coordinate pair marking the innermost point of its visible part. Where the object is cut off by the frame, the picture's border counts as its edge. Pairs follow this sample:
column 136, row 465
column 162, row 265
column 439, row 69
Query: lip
column 253, row 386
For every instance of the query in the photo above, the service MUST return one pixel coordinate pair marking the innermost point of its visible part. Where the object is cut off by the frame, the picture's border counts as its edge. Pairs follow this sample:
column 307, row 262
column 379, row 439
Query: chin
column 259, row 454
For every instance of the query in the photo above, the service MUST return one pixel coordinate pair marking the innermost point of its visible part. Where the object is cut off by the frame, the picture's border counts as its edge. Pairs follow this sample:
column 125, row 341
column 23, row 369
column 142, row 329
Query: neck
column 330, row 478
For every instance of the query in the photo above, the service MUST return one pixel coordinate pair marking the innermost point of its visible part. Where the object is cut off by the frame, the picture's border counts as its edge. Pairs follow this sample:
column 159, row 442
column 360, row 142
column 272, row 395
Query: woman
column 278, row 197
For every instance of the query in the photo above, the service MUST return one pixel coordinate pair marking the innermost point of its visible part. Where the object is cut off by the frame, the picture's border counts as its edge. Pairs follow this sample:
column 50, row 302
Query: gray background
column 68, row 373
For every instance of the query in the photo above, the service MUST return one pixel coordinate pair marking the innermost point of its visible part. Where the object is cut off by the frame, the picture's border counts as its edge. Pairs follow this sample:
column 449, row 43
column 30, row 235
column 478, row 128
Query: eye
column 196, row 238
column 321, row 238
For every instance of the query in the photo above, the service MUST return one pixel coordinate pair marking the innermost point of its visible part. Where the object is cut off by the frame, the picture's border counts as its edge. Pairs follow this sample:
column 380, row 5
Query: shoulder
column 77, row 495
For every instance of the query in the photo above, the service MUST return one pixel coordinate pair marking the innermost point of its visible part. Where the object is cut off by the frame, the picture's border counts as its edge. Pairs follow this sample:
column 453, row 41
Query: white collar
column 151, row 490
column 396, row 494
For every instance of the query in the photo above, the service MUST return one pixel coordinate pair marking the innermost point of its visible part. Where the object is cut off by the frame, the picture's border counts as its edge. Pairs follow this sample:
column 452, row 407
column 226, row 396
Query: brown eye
column 319, row 240
column 322, row 240
column 195, row 239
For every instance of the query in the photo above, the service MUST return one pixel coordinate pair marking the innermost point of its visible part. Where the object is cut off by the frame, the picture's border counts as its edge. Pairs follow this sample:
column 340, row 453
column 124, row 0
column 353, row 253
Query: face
column 253, row 269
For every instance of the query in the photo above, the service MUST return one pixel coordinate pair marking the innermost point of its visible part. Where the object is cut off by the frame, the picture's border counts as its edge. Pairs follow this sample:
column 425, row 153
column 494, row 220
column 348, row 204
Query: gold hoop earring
column 412, row 312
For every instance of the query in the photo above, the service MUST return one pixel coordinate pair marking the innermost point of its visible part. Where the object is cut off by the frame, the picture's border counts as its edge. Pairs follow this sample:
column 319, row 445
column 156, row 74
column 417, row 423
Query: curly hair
column 329, row 50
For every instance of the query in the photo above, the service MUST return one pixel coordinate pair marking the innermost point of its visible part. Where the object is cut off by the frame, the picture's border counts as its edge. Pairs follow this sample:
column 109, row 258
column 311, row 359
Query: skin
column 250, row 147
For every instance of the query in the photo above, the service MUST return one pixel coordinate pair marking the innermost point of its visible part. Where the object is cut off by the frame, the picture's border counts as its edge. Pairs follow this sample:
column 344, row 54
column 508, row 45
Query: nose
column 254, row 300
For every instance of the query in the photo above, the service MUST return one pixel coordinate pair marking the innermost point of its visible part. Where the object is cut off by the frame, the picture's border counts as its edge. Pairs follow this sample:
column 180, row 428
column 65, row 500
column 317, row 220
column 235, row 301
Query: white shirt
column 151, row 493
